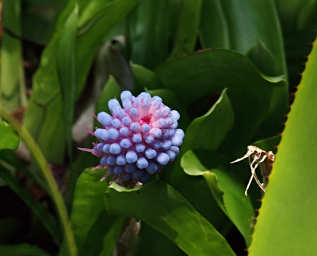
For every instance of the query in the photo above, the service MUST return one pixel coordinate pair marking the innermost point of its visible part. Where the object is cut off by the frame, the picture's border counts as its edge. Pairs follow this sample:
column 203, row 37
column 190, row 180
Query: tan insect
column 258, row 157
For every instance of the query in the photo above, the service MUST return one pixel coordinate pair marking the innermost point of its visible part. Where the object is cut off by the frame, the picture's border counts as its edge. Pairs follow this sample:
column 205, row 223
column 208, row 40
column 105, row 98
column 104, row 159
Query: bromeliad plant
column 199, row 68
column 138, row 140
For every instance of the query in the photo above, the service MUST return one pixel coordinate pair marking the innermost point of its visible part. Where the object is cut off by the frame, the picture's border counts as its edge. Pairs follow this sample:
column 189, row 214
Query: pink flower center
column 146, row 119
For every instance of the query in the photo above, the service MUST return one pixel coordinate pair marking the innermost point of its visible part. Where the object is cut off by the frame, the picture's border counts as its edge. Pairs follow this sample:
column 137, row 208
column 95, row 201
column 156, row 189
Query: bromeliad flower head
column 138, row 138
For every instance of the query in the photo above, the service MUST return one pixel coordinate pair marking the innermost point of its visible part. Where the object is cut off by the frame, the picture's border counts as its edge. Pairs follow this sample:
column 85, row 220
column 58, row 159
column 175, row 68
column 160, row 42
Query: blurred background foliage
column 231, row 69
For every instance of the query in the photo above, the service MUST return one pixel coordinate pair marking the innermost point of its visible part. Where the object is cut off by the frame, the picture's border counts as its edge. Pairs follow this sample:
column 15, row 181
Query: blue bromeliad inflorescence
column 137, row 139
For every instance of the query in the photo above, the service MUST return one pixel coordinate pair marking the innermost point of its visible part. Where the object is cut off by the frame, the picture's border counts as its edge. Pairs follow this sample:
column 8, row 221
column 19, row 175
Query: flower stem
column 46, row 172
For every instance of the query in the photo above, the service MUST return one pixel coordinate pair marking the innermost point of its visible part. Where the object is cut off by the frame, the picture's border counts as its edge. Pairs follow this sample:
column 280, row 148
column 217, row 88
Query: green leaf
column 226, row 190
column 258, row 26
column 8, row 139
column 297, row 14
column 149, row 31
column 21, row 250
column 12, row 88
column 87, row 203
column 212, row 19
column 144, row 79
column 101, row 19
column 39, row 19
column 44, row 115
column 208, row 131
column 111, row 238
column 187, row 29
column 89, row 220
column 82, row 162
column 289, row 206
column 47, row 220
column 251, row 28
column 166, row 210
column 66, row 69
column 152, row 241
column 209, row 71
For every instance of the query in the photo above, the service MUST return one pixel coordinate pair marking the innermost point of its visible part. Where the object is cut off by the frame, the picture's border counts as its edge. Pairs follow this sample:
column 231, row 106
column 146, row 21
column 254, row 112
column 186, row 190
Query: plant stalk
column 48, row 176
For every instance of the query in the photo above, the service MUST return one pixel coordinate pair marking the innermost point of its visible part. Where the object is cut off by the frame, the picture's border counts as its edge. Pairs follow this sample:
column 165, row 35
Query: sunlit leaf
column 8, row 138
column 291, row 190
column 227, row 191
column 167, row 211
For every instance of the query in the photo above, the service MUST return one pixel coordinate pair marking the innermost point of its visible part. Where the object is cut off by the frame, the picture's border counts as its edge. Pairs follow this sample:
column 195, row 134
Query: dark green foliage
column 227, row 66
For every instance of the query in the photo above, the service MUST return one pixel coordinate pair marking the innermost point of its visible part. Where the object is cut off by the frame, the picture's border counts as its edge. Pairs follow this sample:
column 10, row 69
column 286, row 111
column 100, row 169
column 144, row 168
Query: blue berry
column 152, row 168
column 139, row 148
column 121, row 160
column 105, row 148
column 111, row 160
column 101, row 134
column 150, row 153
column 163, row 158
column 124, row 131
column 113, row 134
column 104, row 118
column 115, row 148
column 137, row 138
column 125, row 143
column 142, row 163
column 131, row 157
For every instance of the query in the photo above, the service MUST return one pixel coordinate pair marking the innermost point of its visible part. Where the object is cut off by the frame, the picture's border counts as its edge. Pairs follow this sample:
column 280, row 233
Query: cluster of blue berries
column 138, row 139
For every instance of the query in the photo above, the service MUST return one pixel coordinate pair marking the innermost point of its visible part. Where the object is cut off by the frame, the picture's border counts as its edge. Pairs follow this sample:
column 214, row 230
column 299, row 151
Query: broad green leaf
column 87, row 203
column 195, row 190
column 208, row 131
column 251, row 28
column 66, row 70
column 289, row 207
column 12, row 88
column 149, row 32
column 47, row 220
column 166, row 210
column 144, row 79
column 8, row 139
column 212, row 19
column 245, row 26
column 208, row 71
column 226, row 190
column 111, row 238
column 44, row 115
column 103, row 235
column 39, row 18
column 89, row 220
column 296, row 14
column 102, row 19
column 153, row 241
column 187, row 29
column 82, row 162
column 21, row 250
column 298, row 22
